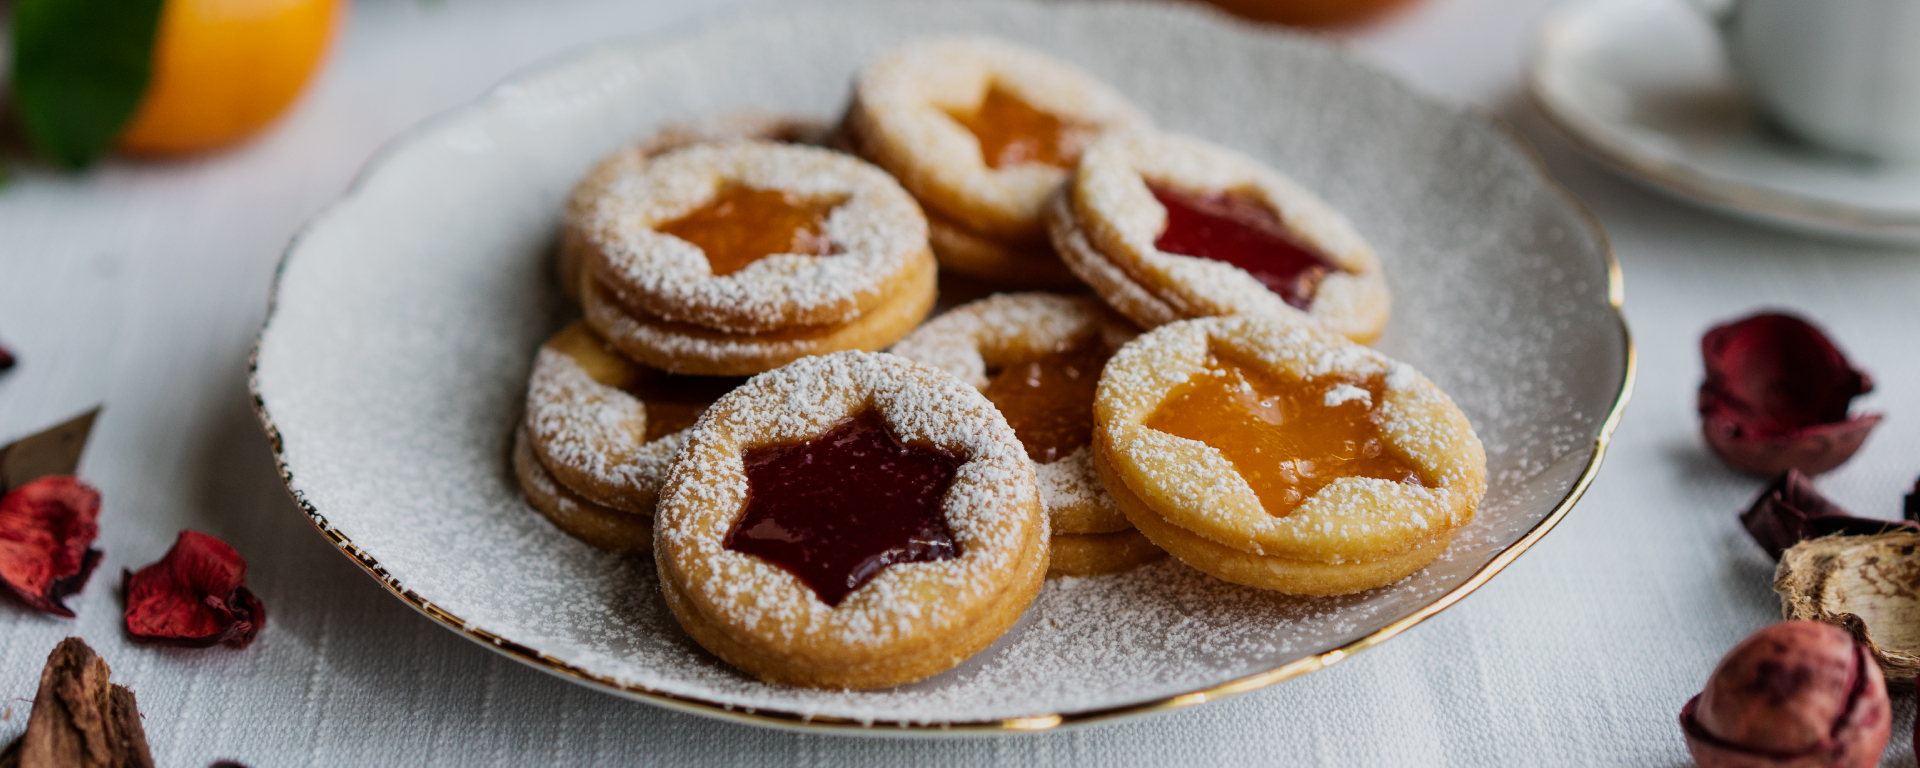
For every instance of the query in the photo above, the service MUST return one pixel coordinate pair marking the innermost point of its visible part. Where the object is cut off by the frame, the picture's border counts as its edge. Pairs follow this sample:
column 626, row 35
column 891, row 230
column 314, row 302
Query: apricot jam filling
column 1049, row 400
column 1238, row 229
column 743, row 225
column 836, row 510
column 1288, row 439
column 1011, row 132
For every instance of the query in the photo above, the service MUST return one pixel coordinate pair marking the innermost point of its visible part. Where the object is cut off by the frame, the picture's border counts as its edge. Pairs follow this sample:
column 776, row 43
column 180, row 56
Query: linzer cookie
column 601, row 430
column 707, row 129
column 737, row 257
column 1166, row 228
column 1281, row 456
column 852, row 520
column 1037, row 357
column 981, row 132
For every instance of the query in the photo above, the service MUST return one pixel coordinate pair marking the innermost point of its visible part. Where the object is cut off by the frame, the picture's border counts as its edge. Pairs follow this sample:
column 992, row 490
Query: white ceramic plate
column 393, row 364
column 1644, row 87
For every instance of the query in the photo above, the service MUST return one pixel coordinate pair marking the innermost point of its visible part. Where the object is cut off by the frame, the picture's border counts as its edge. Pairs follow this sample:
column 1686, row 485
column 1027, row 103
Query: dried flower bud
column 1777, row 394
column 1790, row 511
column 46, row 533
column 1798, row 694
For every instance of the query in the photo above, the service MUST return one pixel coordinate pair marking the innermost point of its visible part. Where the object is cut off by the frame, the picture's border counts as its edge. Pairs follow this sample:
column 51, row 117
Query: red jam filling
column 673, row 401
column 837, row 510
column 1240, row 230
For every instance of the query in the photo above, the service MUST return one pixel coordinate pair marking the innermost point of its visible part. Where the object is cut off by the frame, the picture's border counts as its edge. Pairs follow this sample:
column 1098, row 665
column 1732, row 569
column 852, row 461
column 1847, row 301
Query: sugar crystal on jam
column 1240, row 230
column 1287, row 439
column 836, row 510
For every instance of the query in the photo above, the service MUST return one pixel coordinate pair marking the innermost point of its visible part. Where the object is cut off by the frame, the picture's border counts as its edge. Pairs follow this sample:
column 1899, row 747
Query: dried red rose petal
column 194, row 597
column 1790, row 511
column 1777, row 394
column 6, row 358
column 46, row 531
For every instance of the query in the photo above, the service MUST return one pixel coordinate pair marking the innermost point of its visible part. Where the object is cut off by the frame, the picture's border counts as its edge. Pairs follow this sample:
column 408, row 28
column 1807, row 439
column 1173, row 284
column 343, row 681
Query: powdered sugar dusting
column 1010, row 327
column 878, row 229
column 397, row 354
column 990, row 509
column 597, row 430
column 1122, row 220
column 1351, row 519
column 902, row 99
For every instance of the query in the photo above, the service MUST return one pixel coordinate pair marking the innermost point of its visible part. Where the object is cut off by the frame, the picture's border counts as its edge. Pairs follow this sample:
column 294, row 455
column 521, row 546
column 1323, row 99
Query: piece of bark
column 53, row 451
column 80, row 720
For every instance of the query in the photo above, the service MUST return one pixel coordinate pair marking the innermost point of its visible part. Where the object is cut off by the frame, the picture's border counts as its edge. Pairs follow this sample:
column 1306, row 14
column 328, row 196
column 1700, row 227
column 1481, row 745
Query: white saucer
column 1643, row 85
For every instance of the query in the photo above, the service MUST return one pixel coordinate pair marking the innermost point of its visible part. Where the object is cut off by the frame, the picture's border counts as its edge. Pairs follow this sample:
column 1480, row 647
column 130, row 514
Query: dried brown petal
column 194, row 597
column 1799, row 693
column 46, row 531
column 52, row 451
column 79, row 718
column 1790, row 511
column 1777, row 394
column 1911, row 507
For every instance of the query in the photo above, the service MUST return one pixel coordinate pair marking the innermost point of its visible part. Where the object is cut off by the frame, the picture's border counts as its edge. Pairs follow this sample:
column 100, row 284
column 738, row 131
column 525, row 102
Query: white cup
column 1843, row 74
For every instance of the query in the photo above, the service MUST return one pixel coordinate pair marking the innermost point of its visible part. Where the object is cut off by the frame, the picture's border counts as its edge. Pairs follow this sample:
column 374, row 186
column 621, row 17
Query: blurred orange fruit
column 1310, row 13
column 223, row 69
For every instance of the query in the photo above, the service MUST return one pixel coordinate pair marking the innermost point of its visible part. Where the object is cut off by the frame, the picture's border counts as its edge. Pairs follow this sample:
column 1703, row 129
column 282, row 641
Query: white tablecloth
column 141, row 285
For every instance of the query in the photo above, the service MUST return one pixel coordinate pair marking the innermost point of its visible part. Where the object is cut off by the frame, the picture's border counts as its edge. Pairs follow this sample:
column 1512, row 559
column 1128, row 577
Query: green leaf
column 79, row 68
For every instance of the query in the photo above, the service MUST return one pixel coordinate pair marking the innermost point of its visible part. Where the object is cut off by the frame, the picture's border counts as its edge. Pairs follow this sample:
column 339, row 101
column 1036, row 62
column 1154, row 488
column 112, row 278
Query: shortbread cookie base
column 724, row 126
column 1027, row 265
column 1099, row 554
column 972, row 338
column 911, row 619
column 875, row 670
column 899, row 120
column 877, row 230
column 597, row 526
column 1353, row 519
column 1114, row 210
column 687, row 349
column 1106, row 279
column 1279, row 574
column 590, row 436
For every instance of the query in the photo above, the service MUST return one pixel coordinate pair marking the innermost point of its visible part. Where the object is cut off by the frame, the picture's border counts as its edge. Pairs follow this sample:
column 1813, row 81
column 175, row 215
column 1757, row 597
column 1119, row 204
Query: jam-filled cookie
column 614, row 530
column 982, row 131
column 1166, row 228
column 737, row 257
column 851, row 520
column 1282, row 456
column 724, row 126
column 1038, row 357
column 604, row 428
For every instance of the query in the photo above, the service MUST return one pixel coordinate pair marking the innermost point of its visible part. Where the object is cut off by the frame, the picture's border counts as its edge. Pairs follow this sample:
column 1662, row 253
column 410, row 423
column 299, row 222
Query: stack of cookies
column 825, row 514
